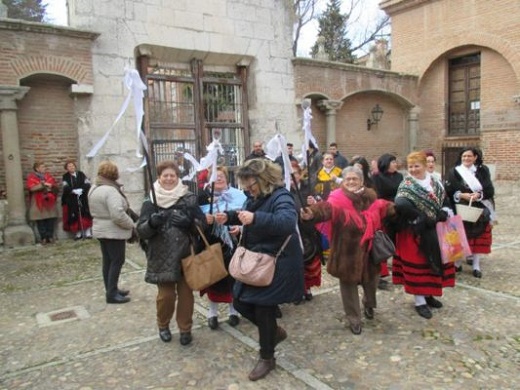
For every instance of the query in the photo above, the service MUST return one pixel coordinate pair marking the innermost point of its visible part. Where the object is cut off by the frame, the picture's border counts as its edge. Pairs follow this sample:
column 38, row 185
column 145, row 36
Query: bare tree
column 304, row 11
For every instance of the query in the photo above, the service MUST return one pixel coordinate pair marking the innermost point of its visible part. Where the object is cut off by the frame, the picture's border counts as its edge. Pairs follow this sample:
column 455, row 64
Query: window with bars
column 464, row 95
column 188, row 105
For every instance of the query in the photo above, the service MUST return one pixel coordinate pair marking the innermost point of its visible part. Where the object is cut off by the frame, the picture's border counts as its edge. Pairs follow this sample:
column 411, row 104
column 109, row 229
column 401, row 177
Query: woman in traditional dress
column 311, row 238
column 43, row 192
column 225, row 198
column 355, row 214
column 386, row 182
column 420, row 203
column 328, row 177
column 74, row 202
column 470, row 181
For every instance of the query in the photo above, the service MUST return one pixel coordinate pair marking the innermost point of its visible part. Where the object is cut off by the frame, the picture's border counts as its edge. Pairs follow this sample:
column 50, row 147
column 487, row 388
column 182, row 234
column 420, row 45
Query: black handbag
column 382, row 247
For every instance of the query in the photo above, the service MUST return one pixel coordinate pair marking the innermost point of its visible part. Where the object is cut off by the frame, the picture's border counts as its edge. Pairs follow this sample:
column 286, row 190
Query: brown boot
column 281, row 335
column 262, row 368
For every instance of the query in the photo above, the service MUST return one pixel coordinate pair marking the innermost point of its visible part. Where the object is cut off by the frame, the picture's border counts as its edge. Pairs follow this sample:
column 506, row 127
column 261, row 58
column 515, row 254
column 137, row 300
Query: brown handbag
column 203, row 269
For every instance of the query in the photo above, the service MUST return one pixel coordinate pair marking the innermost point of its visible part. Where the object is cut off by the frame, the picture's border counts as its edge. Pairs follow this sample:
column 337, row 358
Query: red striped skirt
column 411, row 269
column 312, row 273
column 482, row 243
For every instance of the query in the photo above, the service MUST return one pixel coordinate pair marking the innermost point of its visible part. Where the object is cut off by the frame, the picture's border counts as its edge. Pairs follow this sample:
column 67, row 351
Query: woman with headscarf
column 386, row 182
column 269, row 219
column 420, row 203
column 112, row 226
column 74, row 202
column 470, row 181
column 43, row 192
column 353, row 213
column 225, row 198
column 168, row 226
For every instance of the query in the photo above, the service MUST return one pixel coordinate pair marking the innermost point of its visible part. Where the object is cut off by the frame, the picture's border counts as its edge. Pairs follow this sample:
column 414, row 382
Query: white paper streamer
column 276, row 146
column 136, row 88
column 307, row 132
column 210, row 160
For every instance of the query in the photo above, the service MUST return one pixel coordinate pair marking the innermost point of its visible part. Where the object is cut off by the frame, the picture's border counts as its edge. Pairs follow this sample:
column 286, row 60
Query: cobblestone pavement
column 473, row 342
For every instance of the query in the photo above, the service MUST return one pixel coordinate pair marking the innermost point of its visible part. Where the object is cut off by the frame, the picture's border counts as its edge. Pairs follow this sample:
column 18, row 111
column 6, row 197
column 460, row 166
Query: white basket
column 468, row 213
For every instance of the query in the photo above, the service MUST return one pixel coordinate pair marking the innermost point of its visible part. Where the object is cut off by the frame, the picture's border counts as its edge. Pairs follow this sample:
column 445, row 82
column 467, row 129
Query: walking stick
column 212, row 197
column 80, row 217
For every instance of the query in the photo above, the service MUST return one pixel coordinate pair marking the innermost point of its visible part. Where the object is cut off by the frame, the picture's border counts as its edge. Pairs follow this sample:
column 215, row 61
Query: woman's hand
column 234, row 230
column 306, row 214
column 221, row 218
column 246, row 217
column 311, row 200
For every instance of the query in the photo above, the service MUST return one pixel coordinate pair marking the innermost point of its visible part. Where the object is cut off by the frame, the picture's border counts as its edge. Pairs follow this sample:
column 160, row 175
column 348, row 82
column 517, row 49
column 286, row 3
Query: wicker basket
column 468, row 213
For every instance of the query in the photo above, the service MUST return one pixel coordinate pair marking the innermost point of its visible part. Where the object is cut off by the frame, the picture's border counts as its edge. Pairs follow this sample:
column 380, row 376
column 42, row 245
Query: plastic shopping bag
column 452, row 240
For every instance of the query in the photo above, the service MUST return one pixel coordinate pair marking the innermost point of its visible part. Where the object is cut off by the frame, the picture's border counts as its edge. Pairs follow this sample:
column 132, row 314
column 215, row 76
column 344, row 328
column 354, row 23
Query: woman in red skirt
column 420, row 203
column 469, row 181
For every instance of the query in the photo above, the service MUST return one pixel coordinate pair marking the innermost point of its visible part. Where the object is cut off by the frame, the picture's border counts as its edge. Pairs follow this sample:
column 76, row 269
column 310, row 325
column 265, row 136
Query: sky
column 57, row 14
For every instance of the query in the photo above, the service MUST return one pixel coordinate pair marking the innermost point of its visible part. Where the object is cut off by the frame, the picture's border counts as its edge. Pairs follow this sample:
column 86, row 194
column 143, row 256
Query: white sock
column 420, row 300
column 213, row 309
column 232, row 310
column 476, row 262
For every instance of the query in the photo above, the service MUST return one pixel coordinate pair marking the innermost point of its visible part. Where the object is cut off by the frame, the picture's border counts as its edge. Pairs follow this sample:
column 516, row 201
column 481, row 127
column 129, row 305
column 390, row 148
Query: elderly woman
column 470, row 180
column 328, row 177
column 269, row 220
column 74, row 202
column 225, row 198
column 112, row 227
column 42, row 209
column 420, row 203
column 168, row 227
column 354, row 213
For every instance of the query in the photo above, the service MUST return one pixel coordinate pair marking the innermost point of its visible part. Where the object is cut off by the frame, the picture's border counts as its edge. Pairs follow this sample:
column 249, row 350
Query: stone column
column 17, row 231
column 330, row 107
column 413, row 128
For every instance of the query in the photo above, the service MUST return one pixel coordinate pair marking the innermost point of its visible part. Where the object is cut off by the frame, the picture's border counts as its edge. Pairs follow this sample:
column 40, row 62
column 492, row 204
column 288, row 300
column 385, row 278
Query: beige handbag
column 254, row 268
column 203, row 269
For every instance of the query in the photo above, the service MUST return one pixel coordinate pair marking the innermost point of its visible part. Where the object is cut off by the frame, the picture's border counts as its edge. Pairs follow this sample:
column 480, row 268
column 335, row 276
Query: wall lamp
column 376, row 113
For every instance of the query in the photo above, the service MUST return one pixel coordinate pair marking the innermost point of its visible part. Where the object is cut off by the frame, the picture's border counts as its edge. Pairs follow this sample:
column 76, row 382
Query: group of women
column 264, row 216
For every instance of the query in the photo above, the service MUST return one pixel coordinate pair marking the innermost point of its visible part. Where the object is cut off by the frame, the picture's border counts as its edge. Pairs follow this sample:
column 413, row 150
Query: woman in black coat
column 269, row 217
column 74, row 202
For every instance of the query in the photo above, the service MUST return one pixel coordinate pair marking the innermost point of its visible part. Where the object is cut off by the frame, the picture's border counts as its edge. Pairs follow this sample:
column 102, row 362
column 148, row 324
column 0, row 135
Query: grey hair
column 354, row 169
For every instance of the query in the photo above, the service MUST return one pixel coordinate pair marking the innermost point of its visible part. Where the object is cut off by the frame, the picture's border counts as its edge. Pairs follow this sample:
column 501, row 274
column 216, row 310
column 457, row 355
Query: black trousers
column 113, row 252
column 46, row 228
column 264, row 317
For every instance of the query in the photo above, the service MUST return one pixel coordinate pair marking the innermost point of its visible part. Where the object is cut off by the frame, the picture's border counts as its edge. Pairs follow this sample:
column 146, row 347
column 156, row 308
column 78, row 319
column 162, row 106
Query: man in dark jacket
column 279, row 159
column 339, row 159
column 257, row 152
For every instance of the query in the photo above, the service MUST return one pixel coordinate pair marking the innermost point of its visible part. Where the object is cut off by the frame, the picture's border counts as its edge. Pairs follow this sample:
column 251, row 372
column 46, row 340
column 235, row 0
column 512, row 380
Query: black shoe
column 469, row 260
column 185, row 338
column 308, row 296
column 432, row 302
column 424, row 311
column 355, row 328
column 278, row 312
column 383, row 285
column 123, row 293
column 118, row 299
column 213, row 322
column 477, row 273
column 233, row 320
column 369, row 313
column 165, row 335
column 458, row 269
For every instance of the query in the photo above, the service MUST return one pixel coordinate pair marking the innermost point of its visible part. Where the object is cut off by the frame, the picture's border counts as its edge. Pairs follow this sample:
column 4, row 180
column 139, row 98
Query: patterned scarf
column 429, row 202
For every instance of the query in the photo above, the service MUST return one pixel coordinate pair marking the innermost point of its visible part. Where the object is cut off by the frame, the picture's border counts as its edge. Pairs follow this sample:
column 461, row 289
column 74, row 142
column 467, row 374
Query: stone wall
column 222, row 33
